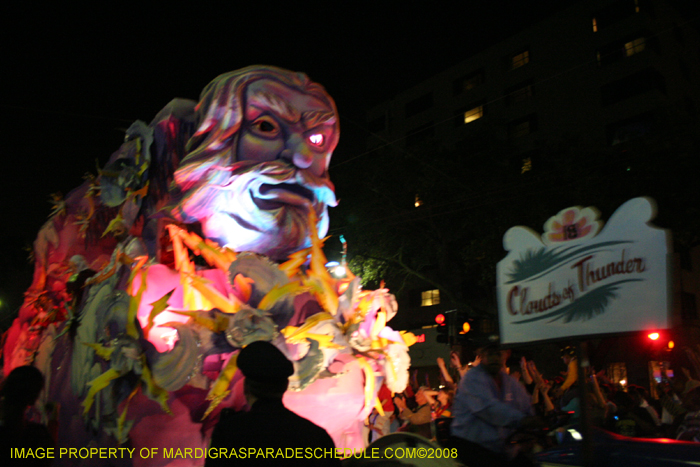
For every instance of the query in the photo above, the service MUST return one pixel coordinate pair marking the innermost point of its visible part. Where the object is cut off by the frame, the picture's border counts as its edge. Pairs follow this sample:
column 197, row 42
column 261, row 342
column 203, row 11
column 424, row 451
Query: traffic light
column 443, row 329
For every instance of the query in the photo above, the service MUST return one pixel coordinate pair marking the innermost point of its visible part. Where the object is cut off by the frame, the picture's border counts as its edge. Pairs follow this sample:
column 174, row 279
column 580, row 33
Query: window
column 420, row 104
column 527, row 165
column 619, row 50
column 473, row 114
column 630, row 128
column 520, row 59
column 617, row 373
column 468, row 82
column 518, row 93
column 595, row 24
column 522, row 126
column 637, row 83
column 430, row 297
column 634, row 47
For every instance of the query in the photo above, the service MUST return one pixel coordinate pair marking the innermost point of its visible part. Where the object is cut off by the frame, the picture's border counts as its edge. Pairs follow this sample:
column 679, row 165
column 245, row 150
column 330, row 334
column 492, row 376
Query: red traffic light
column 653, row 336
column 440, row 319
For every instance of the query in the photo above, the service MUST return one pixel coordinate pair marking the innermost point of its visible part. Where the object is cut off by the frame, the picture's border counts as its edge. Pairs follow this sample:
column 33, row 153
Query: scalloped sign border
column 581, row 279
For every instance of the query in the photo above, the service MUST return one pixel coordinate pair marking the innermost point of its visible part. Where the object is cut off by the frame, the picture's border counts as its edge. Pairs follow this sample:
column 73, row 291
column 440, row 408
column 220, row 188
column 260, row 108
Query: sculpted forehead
column 292, row 105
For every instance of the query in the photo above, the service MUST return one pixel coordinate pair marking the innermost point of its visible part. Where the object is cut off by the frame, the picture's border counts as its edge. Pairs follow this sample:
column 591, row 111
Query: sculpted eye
column 266, row 126
column 316, row 139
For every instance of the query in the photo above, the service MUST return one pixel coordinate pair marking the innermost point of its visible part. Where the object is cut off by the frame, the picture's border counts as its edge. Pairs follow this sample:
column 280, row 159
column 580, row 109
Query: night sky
column 74, row 78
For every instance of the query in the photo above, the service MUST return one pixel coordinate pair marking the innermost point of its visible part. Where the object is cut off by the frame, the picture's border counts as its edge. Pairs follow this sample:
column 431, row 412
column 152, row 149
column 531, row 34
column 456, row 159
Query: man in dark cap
column 269, row 433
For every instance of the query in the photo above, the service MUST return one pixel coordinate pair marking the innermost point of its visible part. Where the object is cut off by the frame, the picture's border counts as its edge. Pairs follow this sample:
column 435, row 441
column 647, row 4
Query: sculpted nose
column 297, row 152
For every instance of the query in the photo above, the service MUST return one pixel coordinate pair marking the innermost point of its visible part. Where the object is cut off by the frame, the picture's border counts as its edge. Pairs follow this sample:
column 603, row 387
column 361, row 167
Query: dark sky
column 74, row 78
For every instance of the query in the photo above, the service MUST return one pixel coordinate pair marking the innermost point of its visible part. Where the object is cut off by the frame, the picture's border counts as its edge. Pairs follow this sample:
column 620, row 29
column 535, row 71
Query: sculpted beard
column 260, row 207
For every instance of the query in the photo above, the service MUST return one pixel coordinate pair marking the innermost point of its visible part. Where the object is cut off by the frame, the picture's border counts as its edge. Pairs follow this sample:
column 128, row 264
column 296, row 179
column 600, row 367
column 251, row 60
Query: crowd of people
column 488, row 400
column 477, row 408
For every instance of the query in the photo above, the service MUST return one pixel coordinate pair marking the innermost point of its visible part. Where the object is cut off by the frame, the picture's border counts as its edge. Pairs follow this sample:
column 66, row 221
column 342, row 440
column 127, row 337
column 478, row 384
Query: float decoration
column 201, row 234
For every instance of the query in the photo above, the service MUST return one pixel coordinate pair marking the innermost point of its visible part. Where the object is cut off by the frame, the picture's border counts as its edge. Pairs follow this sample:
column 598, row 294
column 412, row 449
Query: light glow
column 316, row 139
column 653, row 336
column 340, row 271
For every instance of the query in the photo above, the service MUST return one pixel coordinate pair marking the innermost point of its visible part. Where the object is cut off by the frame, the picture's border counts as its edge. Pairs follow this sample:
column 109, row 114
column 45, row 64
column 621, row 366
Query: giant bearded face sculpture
column 258, row 161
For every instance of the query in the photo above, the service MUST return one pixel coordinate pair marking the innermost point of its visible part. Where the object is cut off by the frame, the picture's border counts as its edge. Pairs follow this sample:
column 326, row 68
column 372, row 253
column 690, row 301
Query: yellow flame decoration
column 216, row 324
column 220, row 258
column 292, row 266
column 244, row 286
column 120, row 433
column 159, row 306
column 96, row 385
column 369, row 379
column 408, row 338
column 160, row 394
column 101, row 350
column 219, row 389
column 277, row 292
column 135, row 300
column 113, row 224
column 210, row 297
column 378, row 406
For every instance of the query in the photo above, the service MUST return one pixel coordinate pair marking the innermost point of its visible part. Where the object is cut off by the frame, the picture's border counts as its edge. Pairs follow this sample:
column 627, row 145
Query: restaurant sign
column 581, row 279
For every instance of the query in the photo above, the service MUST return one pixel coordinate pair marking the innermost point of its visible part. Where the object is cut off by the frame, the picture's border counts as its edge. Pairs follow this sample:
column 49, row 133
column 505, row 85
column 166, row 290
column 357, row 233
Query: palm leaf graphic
column 536, row 263
column 588, row 306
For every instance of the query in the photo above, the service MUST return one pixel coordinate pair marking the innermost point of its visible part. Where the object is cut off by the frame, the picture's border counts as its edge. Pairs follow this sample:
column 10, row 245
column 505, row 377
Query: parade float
column 202, row 233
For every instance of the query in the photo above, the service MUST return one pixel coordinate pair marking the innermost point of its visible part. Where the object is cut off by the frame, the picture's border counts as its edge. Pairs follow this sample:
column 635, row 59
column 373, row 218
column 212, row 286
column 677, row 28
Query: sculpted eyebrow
column 311, row 119
column 276, row 104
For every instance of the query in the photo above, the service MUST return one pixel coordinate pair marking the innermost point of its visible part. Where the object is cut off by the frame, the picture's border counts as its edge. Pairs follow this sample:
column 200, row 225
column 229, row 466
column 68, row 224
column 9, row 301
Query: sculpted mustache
column 276, row 173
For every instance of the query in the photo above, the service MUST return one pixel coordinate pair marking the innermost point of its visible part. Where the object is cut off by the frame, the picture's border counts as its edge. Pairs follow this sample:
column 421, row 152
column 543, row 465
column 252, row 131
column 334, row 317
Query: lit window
column 418, row 202
column 474, row 114
column 636, row 6
column 521, row 59
column 527, row 165
column 634, row 47
column 430, row 297
column 595, row 25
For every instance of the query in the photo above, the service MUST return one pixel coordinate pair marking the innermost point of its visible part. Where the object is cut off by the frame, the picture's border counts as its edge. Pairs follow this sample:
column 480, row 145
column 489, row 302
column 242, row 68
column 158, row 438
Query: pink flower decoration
column 571, row 224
